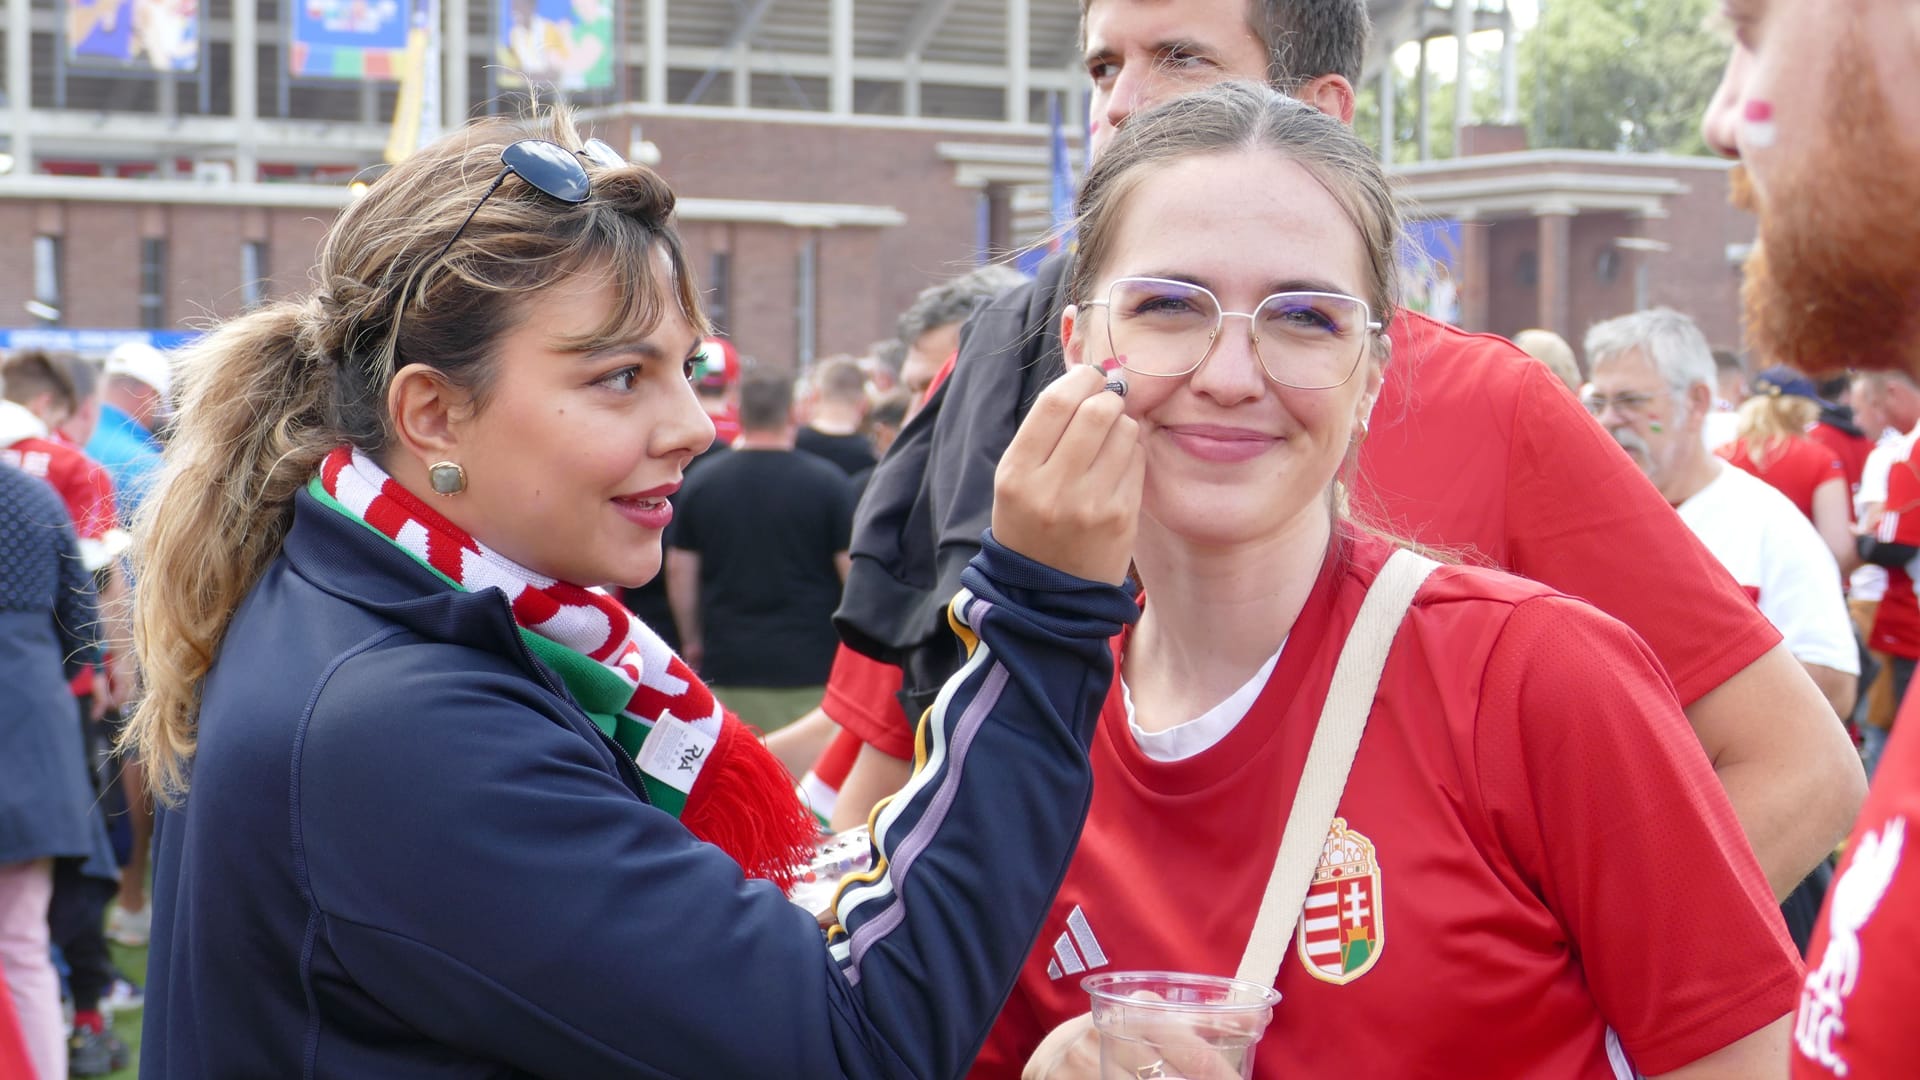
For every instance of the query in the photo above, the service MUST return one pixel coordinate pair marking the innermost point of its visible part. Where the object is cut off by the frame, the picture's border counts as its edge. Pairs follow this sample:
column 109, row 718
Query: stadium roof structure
column 949, row 63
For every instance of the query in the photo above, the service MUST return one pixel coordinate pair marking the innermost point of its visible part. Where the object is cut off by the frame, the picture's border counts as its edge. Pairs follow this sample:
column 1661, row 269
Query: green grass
column 127, row 1024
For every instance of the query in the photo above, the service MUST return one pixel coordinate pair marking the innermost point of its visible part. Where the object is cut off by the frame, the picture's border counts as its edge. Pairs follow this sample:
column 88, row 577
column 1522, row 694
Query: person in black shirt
column 836, row 428
column 755, row 559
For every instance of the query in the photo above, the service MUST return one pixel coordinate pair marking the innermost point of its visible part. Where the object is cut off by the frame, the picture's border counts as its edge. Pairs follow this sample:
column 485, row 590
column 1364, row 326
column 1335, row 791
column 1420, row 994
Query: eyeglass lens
column 1305, row 340
column 1628, row 404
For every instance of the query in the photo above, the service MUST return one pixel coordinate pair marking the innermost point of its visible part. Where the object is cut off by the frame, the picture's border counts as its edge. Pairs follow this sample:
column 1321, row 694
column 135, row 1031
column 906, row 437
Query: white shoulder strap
column 1335, row 741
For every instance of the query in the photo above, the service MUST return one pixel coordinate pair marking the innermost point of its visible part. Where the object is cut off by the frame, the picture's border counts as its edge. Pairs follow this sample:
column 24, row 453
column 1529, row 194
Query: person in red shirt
column 1772, row 443
column 1476, row 448
column 41, row 398
column 1479, row 866
column 1821, row 104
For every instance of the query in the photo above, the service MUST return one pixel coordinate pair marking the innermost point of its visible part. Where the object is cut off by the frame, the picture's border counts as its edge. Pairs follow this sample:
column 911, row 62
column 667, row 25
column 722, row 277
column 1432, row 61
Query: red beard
column 1834, row 281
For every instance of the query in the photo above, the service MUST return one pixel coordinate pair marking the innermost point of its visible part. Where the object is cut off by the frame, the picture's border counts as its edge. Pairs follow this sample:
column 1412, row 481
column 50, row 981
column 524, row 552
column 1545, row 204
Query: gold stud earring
column 447, row 478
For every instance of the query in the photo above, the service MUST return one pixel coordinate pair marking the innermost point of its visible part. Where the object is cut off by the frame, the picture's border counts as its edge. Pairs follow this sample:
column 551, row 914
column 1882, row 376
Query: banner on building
column 92, row 342
column 350, row 39
column 1429, row 269
column 416, row 111
column 566, row 44
column 160, row 34
column 1060, row 191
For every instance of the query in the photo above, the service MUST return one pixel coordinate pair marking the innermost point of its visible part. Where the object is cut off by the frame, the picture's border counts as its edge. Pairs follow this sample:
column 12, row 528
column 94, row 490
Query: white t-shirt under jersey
column 1774, row 553
column 1188, row 739
column 1869, row 582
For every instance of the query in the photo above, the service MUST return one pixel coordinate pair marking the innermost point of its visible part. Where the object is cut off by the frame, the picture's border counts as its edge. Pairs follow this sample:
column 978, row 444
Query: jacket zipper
column 628, row 769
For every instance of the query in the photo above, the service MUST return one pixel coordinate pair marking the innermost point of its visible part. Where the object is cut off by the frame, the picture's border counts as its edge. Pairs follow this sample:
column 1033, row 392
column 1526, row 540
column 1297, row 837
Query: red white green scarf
column 697, row 761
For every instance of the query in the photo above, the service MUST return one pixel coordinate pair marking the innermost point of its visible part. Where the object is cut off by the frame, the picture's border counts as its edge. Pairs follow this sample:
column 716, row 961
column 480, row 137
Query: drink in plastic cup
column 1178, row 1026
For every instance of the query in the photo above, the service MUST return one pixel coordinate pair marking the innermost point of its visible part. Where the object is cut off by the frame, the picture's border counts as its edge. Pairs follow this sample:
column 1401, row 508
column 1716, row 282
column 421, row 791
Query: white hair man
column 1653, row 385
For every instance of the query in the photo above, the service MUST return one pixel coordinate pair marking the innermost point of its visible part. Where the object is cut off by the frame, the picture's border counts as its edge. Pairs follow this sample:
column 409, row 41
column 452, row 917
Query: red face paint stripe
column 1759, row 112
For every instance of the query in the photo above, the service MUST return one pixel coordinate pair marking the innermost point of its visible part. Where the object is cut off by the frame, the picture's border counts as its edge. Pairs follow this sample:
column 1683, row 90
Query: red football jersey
column 1796, row 467
column 862, row 696
column 1478, row 449
column 82, row 483
column 1896, row 623
column 1856, row 1013
column 1531, row 852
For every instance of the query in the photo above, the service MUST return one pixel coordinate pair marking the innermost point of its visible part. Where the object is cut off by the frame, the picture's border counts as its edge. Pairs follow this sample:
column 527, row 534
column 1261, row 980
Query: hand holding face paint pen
column 1067, row 492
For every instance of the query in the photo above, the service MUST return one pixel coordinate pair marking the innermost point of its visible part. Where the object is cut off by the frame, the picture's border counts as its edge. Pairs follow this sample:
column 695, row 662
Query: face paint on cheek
column 1757, row 124
column 1112, row 362
column 1655, row 426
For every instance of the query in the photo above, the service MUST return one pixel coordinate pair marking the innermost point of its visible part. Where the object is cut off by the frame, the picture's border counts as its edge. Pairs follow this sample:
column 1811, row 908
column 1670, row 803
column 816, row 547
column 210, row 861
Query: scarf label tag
column 674, row 752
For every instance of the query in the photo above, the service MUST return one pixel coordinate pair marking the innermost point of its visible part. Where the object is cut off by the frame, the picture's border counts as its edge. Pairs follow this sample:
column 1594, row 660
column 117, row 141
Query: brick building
column 1562, row 239
column 831, row 161
column 833, row 157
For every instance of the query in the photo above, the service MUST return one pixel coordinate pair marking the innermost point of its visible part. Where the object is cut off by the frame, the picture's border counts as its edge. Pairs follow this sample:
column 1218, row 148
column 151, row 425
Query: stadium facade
column 833, row 156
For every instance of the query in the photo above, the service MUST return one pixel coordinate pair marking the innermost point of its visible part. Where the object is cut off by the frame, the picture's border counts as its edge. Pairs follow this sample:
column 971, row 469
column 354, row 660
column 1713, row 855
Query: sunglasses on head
column 552, row 169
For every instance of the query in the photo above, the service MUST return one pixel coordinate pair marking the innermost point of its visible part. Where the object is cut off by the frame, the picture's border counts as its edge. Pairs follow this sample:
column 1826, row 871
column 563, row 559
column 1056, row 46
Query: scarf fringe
column 744, row 805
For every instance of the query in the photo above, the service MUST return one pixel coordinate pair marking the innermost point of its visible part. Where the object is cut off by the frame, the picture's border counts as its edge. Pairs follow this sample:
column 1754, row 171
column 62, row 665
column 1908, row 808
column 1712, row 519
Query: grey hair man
column 930, row 328
column 1653, row 385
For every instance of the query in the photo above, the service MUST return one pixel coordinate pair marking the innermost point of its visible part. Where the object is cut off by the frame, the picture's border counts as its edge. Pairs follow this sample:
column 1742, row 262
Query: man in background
column 1892, row 402
column 755, row 558
column 133, row 406
column 837, row 416
column 930, row 328
column 1552, row 350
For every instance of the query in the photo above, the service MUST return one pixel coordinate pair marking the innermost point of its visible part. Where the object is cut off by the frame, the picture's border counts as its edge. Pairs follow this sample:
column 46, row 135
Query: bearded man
column 1821, row 105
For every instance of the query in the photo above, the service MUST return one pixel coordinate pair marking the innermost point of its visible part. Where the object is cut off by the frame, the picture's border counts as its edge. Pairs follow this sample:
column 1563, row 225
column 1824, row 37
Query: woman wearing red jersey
column 1531, row 871
column 1772, row 443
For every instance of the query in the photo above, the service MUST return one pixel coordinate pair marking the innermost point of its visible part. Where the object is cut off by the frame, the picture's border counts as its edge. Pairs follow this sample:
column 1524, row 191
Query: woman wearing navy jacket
column 436, row 808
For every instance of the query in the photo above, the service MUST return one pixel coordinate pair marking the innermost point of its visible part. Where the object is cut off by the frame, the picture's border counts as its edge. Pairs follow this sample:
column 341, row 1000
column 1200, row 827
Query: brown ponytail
column 251, row 430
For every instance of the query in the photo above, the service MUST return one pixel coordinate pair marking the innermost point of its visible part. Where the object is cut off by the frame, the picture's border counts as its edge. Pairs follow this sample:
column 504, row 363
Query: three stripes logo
column 1069, row 959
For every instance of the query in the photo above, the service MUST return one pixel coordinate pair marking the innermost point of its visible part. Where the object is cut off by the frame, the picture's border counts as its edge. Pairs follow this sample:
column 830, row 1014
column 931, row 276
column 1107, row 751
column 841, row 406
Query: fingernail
column 1118, row 385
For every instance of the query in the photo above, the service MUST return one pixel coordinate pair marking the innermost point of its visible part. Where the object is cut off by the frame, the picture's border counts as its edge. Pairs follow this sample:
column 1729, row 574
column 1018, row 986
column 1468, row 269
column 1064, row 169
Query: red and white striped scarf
column 697, row 760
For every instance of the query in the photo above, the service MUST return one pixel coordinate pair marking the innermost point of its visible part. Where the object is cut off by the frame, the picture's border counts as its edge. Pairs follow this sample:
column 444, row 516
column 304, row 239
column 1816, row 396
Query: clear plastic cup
column 1155, row 1024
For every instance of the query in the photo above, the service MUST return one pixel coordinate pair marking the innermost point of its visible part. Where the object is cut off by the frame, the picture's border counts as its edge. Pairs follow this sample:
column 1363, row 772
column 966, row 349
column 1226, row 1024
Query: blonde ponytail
column 1768, row 421
column 252, row 428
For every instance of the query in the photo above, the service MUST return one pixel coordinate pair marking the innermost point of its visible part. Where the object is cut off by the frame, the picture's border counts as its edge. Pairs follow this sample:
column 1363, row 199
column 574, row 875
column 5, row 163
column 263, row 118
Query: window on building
column 48, row 300
column 806, row 299
column 253, row 272
column 153, row 283
column 720, row 291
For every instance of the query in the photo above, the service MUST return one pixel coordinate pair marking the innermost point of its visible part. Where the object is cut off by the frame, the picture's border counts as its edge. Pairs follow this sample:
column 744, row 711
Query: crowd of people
column 498, row 644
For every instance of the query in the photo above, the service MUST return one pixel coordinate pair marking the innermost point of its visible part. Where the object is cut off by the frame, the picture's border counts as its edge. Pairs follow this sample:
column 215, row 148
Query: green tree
column 1594, row 75
column 1620, row 74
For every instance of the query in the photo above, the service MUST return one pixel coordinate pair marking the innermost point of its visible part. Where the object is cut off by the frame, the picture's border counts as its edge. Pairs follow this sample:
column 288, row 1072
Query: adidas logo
column 1067, row 960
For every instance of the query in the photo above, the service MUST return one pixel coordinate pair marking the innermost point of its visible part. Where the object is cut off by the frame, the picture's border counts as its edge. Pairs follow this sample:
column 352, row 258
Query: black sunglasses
column 552, row 169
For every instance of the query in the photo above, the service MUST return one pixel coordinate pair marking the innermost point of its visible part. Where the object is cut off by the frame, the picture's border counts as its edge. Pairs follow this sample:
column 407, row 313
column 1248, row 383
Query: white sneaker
column 124, row 997
column 130, row 928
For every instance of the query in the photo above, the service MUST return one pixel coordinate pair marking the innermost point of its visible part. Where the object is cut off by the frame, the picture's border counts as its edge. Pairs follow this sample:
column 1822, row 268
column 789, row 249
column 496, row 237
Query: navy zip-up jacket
column 407, row 852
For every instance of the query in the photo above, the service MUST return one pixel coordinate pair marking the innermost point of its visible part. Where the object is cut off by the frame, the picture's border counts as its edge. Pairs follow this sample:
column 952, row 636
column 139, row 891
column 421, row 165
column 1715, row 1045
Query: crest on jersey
column 1342, row 928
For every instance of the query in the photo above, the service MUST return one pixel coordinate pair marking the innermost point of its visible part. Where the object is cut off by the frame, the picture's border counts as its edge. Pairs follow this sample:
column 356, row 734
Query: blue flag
column 1059, row 195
